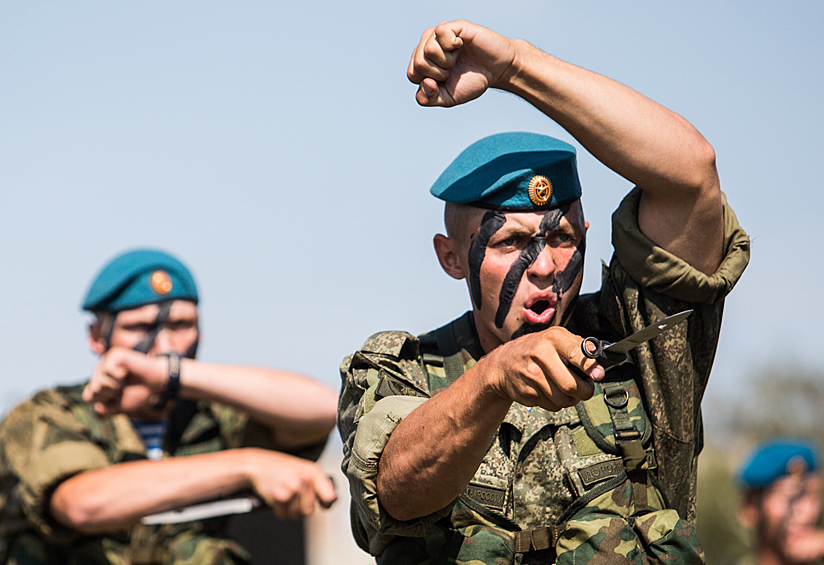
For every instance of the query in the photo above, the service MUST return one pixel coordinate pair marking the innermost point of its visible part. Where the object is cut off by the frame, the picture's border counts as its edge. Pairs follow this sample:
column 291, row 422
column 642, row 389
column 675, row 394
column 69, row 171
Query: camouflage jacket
column 56, row 435
column 520, row 484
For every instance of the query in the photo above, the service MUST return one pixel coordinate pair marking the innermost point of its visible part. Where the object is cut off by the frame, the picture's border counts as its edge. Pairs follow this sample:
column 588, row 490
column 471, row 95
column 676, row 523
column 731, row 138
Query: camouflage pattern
column 55, row 435
column 540, row 463
column 601, row 534
column 597, row 413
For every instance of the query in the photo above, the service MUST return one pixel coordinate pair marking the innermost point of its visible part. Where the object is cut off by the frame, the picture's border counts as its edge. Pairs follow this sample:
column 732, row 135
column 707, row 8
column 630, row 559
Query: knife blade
column 609, row 354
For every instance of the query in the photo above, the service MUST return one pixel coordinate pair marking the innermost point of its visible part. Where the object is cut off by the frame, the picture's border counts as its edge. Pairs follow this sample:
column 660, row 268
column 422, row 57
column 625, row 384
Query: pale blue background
column 277, row 149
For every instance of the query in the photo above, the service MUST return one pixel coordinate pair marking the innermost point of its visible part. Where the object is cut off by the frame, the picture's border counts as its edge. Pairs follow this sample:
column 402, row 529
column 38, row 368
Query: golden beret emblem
column 540, row 190
column 161, row 282
column 796, row 466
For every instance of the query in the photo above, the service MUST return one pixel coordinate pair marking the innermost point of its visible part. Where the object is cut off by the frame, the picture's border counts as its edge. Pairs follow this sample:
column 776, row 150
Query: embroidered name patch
column 490, row 497
column 600, row 472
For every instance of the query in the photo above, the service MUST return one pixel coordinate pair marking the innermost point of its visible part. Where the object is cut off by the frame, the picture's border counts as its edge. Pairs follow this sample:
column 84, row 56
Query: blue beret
column 514, row 171
column 772, row 460
column 137, row 278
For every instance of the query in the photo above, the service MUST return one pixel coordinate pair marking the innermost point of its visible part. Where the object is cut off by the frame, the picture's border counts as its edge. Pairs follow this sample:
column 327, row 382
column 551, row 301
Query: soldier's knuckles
column 443, row 28
column 282, row 496
column 572, row 351
column 431, row 49
column 555, row 334
column 532, row 372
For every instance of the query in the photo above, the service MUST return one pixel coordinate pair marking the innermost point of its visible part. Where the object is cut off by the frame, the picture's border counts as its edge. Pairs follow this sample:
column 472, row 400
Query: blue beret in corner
column 515, row 171
column 137, row 278
column 772, row 460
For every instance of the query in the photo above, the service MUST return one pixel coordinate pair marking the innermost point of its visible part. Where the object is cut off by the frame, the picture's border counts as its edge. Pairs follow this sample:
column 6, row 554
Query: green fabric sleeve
column 371, row 438
column 48, row 468
column 655, row 268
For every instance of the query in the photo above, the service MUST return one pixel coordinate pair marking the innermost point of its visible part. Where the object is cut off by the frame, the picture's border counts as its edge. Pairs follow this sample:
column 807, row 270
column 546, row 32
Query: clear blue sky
column 277, row 149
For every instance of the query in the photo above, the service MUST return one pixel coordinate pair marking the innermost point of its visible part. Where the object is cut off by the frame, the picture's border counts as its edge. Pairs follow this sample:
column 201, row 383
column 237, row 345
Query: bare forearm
column 434, row 452
column 636, row 137
column 300, row 410
column 649, row 145
column 116, row 497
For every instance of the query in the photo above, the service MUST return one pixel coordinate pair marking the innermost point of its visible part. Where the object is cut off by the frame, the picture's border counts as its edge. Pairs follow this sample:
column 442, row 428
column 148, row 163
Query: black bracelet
column 173, row 384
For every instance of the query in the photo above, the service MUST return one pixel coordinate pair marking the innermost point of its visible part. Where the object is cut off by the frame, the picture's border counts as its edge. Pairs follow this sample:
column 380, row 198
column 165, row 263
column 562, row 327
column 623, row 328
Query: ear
column 95, row 339
column 447, row 251
column 748, row 512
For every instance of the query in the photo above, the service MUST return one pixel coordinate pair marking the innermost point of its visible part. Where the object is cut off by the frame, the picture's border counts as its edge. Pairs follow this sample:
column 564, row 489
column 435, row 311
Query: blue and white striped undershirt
column 152, row 433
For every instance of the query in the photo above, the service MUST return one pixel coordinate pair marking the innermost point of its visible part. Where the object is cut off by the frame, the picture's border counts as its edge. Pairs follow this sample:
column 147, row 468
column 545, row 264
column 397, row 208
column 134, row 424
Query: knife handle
column 605, row 358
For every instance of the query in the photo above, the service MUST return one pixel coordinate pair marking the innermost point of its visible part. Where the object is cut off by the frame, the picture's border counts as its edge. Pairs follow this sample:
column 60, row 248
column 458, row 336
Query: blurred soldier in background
column 781, row 503
column 81, row 465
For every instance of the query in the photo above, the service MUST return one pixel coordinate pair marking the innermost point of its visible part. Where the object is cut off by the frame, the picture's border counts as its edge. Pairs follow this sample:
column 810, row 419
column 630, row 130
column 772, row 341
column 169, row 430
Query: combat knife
column 239, row 505
column 610, row 354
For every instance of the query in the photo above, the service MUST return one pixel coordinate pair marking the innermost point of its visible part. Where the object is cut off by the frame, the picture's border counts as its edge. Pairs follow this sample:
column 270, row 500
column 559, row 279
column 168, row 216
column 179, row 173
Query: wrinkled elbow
column 75, row 518
column 708, row 165
column 704, row 173
column 81, row 515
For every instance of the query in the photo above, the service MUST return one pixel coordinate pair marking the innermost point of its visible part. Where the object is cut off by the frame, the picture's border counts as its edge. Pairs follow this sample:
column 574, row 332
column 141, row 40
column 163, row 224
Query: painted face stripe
column 162, row 316
column 550, row 222
column 565, row 278
column 513, row 278
column 490, row 224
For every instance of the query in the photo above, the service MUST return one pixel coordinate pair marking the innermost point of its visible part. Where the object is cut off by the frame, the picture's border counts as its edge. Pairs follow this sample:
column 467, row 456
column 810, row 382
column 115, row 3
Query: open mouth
column 540, row 311
column 540, row 306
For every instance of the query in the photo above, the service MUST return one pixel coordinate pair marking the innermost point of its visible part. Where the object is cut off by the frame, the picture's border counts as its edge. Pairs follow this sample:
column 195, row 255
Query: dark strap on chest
column 628, row 439
column 448, row 348
column 536, row 540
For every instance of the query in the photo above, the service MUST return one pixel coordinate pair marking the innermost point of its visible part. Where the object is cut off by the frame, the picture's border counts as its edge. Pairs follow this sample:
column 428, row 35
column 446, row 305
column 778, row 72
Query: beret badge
column 540, row 190
column 161, row 282
column 797, row 466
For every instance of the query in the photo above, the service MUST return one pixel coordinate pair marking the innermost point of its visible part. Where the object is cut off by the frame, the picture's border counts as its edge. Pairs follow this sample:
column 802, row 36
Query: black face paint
column 550, row 222
column 565, row 278
column 147, row 342
column 160, row 321
column 798, row 493
column 490, row 224
column 110, row 330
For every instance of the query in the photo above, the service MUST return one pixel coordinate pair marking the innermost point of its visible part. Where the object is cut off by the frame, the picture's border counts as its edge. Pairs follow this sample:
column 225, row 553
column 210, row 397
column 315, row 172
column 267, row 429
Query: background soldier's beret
column 514, row 171
column 774, row 459
column 137, row 278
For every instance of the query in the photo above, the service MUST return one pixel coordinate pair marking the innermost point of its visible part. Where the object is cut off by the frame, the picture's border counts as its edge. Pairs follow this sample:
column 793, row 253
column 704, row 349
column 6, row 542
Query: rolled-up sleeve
column 48, row 468
column 383, row 382
column 655, row 268
column 370, row 440
column 37, row 455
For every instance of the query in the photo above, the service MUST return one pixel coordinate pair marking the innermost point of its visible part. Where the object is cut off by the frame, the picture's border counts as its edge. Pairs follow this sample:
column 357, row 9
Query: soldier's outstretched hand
column 456, row 62
column 293, row 487
column 546, row 369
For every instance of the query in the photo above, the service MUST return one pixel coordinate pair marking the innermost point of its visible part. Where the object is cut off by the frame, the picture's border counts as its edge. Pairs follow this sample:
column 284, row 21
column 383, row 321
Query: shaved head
column 460, row 220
